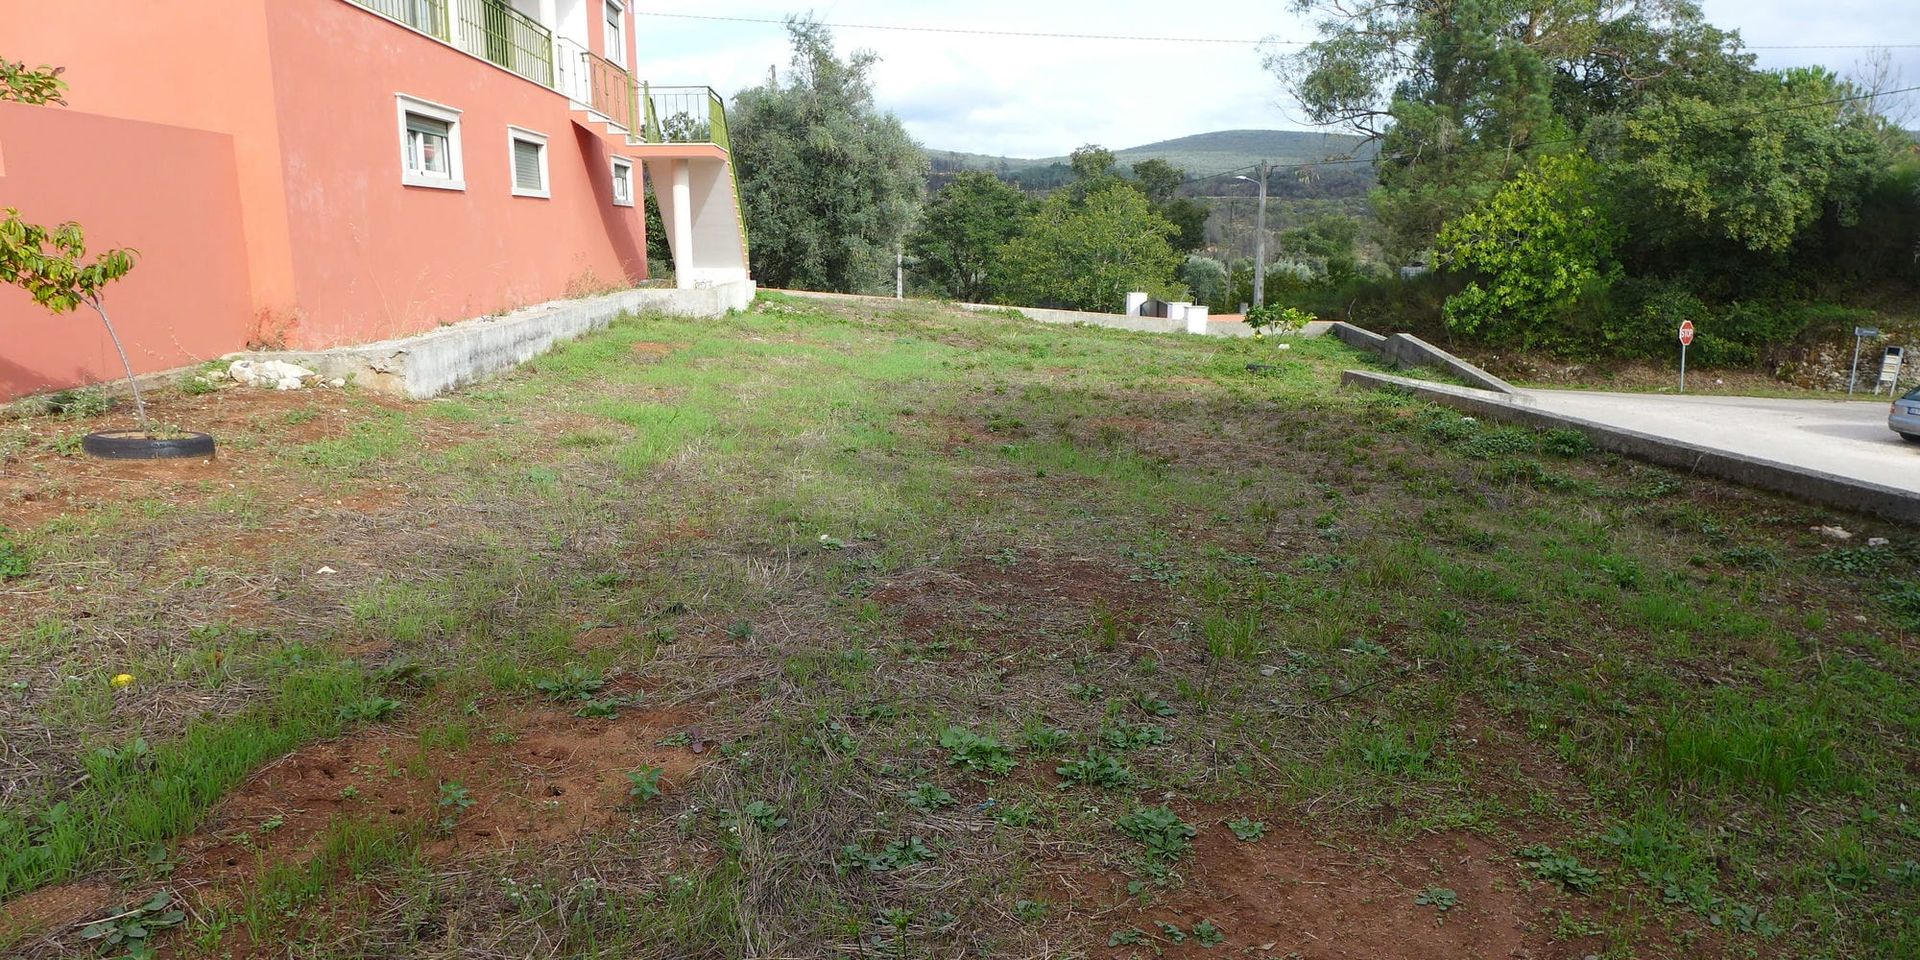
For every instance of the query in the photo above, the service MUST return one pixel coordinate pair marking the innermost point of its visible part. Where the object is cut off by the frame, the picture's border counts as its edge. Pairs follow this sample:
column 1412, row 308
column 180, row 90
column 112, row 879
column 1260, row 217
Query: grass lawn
column 872, row 631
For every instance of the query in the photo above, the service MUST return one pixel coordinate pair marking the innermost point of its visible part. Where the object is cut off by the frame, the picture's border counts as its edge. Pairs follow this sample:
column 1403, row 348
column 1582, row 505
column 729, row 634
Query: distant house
column 311, row 173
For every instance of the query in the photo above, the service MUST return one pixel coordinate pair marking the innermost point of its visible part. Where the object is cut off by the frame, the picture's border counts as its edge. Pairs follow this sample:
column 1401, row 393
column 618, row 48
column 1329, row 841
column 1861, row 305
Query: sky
column 1036, row 97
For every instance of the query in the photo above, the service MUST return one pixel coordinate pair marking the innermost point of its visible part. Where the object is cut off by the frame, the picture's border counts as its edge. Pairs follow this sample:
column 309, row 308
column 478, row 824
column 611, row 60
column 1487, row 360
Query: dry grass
column 821, row 537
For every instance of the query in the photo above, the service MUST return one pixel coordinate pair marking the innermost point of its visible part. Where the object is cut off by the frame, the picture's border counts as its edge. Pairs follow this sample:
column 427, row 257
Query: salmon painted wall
column 169, row 192
column 375, row 259
column 190, row 63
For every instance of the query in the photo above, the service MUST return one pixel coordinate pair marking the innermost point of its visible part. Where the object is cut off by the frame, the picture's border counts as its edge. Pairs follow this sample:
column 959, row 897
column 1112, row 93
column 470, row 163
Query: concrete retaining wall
column 1407, row 350
column 433, row 363
column 1812, row 486
column 1358, row 338
column 1112, row 321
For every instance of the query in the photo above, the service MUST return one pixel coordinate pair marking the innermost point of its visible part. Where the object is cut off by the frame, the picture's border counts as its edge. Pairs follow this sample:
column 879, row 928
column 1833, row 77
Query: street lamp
column 1260, row 238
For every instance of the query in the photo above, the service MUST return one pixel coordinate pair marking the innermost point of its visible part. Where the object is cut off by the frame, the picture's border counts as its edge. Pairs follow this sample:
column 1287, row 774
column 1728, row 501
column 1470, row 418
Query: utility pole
column 1260, row 241
column 900, row 272
column 1259, row 238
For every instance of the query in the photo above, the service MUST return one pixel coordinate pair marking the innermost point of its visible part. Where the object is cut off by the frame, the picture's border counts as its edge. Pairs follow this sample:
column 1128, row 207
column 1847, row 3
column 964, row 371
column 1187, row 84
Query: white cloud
column 1040, row 97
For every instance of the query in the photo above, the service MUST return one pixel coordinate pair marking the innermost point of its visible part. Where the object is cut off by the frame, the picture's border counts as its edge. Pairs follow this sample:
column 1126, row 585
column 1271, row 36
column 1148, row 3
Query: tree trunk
column 139, row 402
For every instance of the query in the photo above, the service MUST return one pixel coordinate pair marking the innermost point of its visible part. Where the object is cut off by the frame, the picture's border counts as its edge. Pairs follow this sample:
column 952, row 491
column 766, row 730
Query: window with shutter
column 429, row 144
column 526, row 165
column 622, row 183
column 528, row 155
column 616, row 32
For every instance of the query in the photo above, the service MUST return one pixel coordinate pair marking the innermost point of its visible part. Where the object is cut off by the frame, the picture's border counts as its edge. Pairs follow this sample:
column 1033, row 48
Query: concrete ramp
column 1406, row 350
column 1820, row 451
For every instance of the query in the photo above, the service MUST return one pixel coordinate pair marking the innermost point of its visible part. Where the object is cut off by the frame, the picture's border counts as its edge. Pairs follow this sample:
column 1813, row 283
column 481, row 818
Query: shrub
column 1533, row 249
column 1272, row 316
column 1207, row 278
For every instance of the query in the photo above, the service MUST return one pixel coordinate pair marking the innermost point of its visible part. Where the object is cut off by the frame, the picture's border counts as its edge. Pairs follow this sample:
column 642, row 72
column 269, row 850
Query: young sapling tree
column 52, row 267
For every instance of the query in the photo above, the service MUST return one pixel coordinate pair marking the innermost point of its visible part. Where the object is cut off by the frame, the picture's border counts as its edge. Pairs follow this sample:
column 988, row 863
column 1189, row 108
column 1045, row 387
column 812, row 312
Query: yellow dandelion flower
column 125, row 679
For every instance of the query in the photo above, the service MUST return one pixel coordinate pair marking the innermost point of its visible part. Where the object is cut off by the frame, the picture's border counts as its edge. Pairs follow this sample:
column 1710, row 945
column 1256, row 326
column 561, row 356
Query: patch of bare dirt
column 252, row 427
column 1017, row 599
column 558, row 777
column 536, row 776
column 650, row 352
column 1509, row 762
column 54, row 909
column 1292, row 895
column 948, row 432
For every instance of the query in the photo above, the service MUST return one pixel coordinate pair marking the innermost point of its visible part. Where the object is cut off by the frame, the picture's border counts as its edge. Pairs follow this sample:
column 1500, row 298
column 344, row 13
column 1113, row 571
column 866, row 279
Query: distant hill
column 1200, row 155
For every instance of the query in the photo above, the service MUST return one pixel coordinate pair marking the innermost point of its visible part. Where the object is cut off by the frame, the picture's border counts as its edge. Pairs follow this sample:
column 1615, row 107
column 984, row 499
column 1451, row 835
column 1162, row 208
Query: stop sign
column 1686, row 332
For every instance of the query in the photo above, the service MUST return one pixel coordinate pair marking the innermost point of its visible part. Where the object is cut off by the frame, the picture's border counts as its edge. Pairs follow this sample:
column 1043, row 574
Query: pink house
column 315, row 173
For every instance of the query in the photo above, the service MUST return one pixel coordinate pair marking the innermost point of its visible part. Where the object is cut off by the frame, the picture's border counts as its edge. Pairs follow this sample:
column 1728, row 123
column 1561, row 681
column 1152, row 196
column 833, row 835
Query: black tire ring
column 123, row 446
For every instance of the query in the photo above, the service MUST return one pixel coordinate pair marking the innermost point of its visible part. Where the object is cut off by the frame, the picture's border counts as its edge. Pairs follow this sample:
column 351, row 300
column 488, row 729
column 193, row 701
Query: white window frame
column 523, row 135
column 617, row 52
column 456, row 178
column 633, row 187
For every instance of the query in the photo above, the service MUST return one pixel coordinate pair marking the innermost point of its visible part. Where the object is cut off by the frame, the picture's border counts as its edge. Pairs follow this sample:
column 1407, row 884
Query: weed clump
column 1166, row 836
column 975, row 752
column 14, row 561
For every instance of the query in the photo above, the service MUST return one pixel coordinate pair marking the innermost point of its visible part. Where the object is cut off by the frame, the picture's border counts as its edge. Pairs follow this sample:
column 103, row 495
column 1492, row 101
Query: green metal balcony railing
column 691, row 115
column 494, row 31
column 684, row 115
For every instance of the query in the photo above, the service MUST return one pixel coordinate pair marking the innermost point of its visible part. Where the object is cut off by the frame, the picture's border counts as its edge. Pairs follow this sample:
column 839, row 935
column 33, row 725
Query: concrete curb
column 432, row 363
column 1801, row 483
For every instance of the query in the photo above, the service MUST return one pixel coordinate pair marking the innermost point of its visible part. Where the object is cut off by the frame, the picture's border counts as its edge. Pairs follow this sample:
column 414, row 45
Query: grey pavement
column 1846, row 438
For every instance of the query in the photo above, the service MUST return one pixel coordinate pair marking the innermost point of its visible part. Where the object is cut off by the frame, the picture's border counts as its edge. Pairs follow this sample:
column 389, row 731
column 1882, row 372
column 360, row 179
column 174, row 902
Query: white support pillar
column 1135, row 301
column 682, row 225
column 1197, row 318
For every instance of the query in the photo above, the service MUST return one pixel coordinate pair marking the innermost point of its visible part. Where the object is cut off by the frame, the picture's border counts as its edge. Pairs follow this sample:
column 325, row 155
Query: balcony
column 489, row 29
column 497, row 33
column 684, row 115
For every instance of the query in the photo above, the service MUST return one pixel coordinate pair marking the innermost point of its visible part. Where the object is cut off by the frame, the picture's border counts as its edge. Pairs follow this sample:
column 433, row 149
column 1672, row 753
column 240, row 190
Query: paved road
column 1847, row 438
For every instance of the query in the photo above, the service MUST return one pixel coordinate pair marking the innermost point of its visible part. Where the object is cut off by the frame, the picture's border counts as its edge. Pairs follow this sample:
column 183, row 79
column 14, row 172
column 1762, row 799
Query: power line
column 1038, row 35
column 1142, row 38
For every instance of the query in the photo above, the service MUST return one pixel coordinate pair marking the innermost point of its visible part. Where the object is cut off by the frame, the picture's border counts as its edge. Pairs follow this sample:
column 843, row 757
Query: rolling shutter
column 527, row 174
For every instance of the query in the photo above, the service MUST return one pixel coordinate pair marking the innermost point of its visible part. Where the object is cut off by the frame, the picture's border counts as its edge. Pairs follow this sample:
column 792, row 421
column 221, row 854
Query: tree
column 1759, row 171
column 52, row 267
column 1207, row 279
column 1459, row 91
column 1090, row 255
column 1161, row 181
column 1540, row 243
column 1091, row 162
column 1189, row 218
column 1158, row 179
column 830, row 184
column 23, row 84
column 964, row 227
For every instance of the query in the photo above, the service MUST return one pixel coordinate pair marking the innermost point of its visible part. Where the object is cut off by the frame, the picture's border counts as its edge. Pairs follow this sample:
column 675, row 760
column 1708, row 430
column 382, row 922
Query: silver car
column 1904, row 418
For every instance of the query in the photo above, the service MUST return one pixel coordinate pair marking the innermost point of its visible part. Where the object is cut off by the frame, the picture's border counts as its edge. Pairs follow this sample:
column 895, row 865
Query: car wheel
column 1910, row 437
